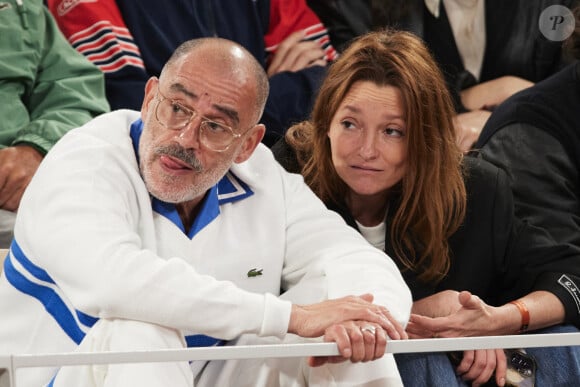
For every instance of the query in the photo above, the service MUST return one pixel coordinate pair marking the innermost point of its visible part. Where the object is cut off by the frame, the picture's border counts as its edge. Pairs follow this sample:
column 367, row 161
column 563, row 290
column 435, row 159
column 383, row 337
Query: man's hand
column 17, row 166
column 356, row 340
column 342, row 321
column 478, row 366
column 295, row 54
column 313, row 320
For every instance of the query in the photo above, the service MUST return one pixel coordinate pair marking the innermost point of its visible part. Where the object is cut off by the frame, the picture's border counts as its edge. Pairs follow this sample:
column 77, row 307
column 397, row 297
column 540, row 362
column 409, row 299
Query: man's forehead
column 229, row 96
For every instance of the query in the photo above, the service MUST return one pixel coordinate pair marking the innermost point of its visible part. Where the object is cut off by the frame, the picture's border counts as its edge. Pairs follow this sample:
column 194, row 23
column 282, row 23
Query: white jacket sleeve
column 321, row 245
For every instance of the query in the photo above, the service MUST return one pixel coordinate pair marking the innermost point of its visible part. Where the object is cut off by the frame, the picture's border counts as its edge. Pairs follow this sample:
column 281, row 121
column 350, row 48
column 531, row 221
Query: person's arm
column 293, row 23
column 479, row 101
column 302, row 39
column 476, row 318
column 67, row 92
column 322, row 249
column 487, row 95
column 544, row 179
column 98, row 31
column 102, row 255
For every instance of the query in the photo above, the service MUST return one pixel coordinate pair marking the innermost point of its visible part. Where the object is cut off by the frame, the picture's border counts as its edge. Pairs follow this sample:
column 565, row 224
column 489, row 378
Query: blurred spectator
column 47, row 89
column 130, row 40
column 485, row 56
column 535, row 137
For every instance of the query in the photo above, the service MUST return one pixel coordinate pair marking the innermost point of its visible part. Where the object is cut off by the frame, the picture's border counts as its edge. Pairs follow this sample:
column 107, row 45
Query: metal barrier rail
column 13, row 362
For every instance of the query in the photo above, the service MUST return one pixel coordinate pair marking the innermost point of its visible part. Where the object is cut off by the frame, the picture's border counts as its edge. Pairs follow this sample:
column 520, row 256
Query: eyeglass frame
column 193, row 114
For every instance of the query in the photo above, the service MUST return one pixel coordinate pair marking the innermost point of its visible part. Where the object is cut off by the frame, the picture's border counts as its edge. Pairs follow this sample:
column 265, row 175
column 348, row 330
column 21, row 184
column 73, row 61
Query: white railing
column 12, row 362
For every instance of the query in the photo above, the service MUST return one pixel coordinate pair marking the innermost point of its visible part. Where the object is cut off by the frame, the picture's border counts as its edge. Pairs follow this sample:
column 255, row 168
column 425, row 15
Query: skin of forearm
column 438, row 305
column 489, row 94
column 544, row 307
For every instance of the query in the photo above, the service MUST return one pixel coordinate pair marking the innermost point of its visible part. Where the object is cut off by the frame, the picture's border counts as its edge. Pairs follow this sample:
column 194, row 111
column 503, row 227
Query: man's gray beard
column 182, row 195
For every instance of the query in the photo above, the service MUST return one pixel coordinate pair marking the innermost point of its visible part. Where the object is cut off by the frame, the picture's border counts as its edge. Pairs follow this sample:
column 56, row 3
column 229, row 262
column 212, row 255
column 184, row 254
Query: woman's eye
column 348, row 125
column 392, row 132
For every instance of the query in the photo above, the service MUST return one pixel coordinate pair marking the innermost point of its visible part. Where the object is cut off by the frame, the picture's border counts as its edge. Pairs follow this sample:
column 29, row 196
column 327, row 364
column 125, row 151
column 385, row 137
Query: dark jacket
column 514, row 44
column 494, row 254
column 535, row 137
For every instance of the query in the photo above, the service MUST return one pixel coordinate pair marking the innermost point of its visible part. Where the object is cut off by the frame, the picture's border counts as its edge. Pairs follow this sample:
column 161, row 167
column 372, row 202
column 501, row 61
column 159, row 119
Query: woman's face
column 368, row 139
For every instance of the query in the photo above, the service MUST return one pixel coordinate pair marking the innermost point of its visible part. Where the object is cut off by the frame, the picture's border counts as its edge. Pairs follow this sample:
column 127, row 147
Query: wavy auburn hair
column 432, row 192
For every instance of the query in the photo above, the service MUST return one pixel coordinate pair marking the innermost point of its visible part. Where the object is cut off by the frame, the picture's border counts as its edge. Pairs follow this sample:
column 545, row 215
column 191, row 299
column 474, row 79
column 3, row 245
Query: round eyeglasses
column 174, row 116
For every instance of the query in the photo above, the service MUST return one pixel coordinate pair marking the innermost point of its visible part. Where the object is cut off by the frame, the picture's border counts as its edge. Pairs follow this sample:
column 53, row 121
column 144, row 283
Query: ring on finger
column 369, row 328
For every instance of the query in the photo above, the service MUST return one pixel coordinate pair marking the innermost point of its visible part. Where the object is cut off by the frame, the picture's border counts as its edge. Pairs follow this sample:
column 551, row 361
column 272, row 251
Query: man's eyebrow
column 231, row 113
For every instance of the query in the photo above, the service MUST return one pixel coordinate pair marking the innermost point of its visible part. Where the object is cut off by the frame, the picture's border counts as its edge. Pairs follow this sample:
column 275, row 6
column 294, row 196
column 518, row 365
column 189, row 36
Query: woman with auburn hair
column 380, row 150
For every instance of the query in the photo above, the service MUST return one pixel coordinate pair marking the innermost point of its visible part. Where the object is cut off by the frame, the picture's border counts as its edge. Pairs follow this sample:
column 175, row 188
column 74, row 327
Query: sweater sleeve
column 98, row 31
column 67, row 92
column 322, row 249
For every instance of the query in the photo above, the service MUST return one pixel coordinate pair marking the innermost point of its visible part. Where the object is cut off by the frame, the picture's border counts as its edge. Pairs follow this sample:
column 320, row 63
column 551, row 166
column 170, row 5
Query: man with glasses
column 175, row 227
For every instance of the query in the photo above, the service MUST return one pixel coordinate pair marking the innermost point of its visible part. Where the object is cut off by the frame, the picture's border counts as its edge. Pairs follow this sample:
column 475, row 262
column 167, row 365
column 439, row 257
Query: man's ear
column 150, row 91
column 250, row 142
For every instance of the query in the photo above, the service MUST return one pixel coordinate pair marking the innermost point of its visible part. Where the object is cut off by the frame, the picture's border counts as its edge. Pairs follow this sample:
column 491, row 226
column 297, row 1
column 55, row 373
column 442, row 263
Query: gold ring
column 368, row 328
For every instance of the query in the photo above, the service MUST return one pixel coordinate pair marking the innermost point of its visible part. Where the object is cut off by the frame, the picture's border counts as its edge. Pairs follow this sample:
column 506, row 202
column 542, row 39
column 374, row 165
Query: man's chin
column 169, row 194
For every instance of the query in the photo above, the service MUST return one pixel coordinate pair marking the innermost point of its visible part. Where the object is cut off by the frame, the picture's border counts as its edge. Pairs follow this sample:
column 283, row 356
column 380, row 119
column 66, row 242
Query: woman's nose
column 368, row 146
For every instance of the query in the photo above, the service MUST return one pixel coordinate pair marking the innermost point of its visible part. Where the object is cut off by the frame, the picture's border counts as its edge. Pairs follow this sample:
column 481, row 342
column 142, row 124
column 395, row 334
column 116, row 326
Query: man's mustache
column 179, row 152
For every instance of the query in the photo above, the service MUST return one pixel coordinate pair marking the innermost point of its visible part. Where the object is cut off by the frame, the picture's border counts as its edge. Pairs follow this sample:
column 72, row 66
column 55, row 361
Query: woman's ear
column 250, row 142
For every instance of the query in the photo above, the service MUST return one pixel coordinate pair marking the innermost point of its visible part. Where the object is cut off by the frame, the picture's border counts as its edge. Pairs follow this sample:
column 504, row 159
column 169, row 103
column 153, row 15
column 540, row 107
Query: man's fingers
column 466, row 362
column 482, row 367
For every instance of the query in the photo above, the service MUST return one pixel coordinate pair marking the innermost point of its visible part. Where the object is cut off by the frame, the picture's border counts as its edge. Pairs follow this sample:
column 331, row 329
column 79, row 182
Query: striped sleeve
column 288, row 16
column 97, row 30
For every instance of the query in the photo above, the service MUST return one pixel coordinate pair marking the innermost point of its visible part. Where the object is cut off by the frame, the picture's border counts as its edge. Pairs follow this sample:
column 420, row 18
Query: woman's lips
column 365, row 168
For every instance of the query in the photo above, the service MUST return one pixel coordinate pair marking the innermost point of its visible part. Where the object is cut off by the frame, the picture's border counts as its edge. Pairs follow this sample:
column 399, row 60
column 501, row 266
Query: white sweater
column 89, row 244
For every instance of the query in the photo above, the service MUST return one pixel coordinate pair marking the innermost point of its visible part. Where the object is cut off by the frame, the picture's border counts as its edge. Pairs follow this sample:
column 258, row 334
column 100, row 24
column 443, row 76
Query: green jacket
column 46, row 86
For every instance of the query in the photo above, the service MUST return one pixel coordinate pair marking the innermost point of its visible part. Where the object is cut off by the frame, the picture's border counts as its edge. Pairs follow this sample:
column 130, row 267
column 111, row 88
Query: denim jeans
column 556, row 366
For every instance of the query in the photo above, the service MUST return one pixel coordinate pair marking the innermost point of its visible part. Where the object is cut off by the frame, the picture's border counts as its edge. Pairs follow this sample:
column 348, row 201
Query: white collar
column 433, row 7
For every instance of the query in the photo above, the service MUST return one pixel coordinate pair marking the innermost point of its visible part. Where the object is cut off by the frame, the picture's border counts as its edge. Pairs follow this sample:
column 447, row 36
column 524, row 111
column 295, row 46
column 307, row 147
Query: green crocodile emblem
column 254, row 272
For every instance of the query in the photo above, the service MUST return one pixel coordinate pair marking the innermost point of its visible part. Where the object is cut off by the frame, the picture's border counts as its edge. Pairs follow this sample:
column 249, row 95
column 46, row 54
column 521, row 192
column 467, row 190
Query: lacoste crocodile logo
column 254, row 272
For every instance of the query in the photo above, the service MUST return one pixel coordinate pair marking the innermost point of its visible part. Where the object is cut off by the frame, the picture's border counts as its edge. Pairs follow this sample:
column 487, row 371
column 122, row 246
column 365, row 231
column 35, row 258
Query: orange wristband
column 524, row 312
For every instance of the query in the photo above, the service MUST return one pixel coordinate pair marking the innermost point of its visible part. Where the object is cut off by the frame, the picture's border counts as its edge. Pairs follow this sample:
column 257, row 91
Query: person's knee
column 130, row 335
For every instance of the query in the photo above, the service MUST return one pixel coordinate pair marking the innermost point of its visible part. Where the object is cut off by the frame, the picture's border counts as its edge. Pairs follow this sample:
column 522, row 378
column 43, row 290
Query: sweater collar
column 228, row 190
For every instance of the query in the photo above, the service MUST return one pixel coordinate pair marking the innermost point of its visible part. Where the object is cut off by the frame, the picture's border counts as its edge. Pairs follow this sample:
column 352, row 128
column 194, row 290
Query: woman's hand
column 473, row 318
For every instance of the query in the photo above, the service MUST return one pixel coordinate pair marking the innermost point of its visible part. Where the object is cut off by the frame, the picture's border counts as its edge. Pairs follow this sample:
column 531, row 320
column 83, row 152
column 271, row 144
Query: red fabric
column 97, row 30
column 288, row 16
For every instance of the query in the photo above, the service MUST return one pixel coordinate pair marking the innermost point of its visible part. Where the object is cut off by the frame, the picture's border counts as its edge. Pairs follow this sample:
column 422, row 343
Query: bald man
column 174, row 227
